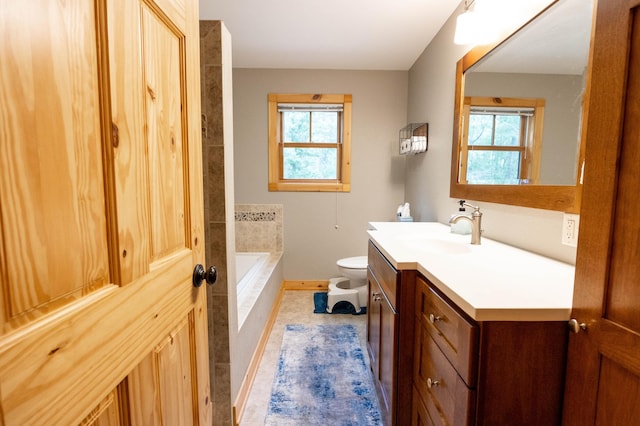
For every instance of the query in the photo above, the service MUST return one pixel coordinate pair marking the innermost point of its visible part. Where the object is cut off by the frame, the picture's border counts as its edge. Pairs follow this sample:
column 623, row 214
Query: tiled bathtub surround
column 259, row 227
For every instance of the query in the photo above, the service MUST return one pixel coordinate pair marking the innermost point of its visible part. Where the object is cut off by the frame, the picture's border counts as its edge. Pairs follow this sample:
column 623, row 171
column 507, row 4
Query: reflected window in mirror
column 501, row 142
column 545, row 59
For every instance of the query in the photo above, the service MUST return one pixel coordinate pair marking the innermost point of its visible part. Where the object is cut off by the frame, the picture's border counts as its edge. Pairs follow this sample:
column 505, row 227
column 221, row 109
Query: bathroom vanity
column 387, row 289
column 465, row 335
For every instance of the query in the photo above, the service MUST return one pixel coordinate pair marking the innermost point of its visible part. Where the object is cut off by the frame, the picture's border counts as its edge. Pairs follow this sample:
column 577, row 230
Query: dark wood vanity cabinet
column 445, row 360
column 484, row 373
column 382, row 340
column 390, row 336
column 435, row 365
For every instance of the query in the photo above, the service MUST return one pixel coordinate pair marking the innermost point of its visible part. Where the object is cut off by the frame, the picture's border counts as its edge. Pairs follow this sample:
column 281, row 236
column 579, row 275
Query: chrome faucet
column 475, row 219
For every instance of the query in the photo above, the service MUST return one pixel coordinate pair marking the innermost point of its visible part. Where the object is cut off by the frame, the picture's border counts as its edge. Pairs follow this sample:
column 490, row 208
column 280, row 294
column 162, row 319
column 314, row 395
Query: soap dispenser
column 404, row 213
column 462, row 227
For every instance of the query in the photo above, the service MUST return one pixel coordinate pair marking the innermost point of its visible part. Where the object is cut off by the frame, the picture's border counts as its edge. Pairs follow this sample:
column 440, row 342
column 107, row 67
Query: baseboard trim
column 252, row 369
column 306, row 285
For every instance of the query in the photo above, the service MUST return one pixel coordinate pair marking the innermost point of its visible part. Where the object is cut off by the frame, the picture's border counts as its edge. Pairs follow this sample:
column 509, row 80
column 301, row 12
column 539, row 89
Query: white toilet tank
column 354, row 268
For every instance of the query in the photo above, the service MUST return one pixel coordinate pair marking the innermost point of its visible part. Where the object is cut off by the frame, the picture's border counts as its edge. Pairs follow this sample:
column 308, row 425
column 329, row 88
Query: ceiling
column 329, row 34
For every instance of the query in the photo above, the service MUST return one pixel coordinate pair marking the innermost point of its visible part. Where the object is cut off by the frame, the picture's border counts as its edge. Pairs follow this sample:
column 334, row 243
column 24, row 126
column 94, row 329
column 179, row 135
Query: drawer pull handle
column 434, row 318
column 376, row 297
column 432, row 383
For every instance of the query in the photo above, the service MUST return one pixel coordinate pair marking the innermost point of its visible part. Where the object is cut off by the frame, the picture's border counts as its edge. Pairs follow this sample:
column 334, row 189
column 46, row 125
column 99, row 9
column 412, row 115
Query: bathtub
column 248, row 265
column 256, row 272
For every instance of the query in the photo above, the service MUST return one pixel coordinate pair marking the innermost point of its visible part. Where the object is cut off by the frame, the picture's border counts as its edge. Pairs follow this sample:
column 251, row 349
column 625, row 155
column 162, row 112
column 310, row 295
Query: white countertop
column 490, row 282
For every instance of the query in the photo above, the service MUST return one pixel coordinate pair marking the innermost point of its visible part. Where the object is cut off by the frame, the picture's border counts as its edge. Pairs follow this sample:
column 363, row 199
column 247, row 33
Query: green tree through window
column 501, row 140
column 309, row 142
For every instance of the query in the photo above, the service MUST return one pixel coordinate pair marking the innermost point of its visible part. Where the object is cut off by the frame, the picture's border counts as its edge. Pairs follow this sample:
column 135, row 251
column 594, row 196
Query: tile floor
column 296, row 308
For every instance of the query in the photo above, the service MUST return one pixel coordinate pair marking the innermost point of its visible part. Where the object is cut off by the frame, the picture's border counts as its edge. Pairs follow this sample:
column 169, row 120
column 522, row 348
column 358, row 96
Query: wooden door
column 603, row 371
column 101, row 216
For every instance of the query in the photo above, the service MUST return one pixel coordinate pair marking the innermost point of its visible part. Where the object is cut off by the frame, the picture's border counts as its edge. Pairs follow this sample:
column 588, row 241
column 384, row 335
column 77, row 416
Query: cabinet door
column 383, row 347
column 603, row 371
column 373, row 326
column 420, row 416
column 388, row 351
column 101, row 214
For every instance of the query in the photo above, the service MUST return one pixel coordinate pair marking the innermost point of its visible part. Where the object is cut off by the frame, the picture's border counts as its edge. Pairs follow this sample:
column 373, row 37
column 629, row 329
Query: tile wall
column 215, row 188
column 258, row 227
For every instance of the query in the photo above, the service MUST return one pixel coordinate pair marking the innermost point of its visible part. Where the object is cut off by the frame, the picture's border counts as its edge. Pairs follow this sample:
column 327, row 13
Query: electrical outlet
column 570, row 227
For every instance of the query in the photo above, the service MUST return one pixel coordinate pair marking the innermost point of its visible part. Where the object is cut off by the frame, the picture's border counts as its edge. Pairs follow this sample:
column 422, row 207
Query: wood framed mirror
column 542, row 67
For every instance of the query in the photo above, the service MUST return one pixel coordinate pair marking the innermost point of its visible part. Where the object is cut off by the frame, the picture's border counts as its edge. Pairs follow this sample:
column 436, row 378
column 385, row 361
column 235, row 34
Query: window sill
column 309, row 187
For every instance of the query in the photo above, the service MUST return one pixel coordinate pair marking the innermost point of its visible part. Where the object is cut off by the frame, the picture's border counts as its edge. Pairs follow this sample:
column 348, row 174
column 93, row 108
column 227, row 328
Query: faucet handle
column 463, row 203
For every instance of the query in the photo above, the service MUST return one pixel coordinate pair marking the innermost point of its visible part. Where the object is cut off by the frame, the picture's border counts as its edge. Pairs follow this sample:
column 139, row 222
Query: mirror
column 519, row 113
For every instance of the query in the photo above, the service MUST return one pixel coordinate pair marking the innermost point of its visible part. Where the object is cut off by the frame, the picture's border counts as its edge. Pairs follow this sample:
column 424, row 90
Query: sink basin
column 437, row 246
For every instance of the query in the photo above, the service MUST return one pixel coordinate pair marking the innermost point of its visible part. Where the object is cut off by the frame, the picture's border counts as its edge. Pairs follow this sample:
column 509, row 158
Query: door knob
column 575, row 326
column 199, row 274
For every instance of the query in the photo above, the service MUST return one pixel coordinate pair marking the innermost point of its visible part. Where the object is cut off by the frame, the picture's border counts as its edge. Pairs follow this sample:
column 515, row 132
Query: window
column 309, row 142
column 501, row 141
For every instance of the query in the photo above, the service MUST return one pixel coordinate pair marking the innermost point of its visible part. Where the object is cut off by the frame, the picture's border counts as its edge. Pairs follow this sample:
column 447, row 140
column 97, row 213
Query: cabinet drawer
column 420, row 416
column 385, row 273
column 446, row 396
column 456, row 337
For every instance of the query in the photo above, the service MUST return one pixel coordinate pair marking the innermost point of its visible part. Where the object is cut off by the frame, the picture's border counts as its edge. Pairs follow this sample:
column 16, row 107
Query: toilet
column 351, row 286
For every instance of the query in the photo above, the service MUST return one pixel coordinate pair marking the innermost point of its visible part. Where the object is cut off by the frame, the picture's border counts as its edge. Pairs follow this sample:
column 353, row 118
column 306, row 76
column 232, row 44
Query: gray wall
column 431, row 98
column 312, row 244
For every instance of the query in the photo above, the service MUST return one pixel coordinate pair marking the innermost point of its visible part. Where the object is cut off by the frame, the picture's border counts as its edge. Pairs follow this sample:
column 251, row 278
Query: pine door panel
column 101, row 220
column 163, row 59
column 176, row 380
column 175, row 11
column 129, row 146
column 72, row 360
column 52, row 216
column 106, row 413
column 161, row 387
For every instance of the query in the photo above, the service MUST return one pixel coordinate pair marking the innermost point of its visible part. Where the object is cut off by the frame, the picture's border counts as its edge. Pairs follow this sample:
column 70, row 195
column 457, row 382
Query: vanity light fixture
column 474, row 26
column 484, row 21
column 466, row 24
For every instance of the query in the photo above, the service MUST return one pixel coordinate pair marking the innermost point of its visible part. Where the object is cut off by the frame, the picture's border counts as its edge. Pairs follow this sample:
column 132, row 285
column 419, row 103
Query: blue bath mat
column 322, row 379
column 320, row 303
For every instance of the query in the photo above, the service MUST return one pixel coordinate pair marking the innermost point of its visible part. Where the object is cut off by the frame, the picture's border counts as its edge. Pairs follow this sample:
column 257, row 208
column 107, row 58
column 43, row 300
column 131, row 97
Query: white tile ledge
column 490, row 282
